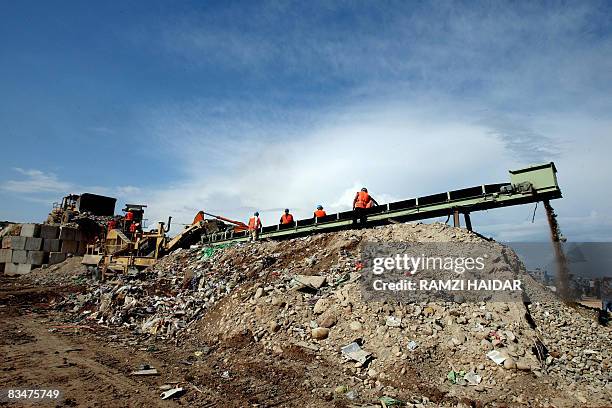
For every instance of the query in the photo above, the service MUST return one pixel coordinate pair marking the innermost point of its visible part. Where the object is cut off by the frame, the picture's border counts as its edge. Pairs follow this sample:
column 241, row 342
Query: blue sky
column 236, row 106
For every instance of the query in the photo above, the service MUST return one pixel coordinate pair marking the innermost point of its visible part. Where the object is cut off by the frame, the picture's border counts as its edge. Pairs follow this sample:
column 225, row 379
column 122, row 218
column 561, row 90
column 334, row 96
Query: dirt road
column 92, row 366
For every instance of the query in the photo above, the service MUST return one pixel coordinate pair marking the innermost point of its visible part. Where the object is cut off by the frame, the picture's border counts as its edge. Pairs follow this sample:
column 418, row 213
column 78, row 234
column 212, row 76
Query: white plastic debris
column 173, row 393
column 496, row 356
column 354, row 352
column 393, row 321
column 412, row 345
column 472, row 378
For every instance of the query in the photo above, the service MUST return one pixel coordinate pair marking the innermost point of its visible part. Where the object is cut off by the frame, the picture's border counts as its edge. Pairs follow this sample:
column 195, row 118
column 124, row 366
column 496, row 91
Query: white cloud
column 397, row 151
column 35, row 181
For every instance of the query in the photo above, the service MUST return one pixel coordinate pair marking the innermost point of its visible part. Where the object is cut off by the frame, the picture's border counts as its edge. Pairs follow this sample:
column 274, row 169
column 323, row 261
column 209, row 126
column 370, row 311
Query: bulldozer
column 74, row 204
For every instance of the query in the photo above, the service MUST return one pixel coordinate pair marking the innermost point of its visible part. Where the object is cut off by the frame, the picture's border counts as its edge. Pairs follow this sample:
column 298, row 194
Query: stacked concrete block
column 49, row 232
column 51, row 245
column 30, row 230
column 56, row 257
column 36, row 258
column 33, row 244
column 6, row 255
column 19, row 256
column 14, row 242
column 37, row 245
column 10, row 269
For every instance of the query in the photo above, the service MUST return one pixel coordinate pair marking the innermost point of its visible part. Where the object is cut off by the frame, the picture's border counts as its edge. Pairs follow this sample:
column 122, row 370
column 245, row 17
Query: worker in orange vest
column 286, row 218
column 133, row 228
column 127, row 220
column 361, row 202
column 320, row 212
column 254, row 226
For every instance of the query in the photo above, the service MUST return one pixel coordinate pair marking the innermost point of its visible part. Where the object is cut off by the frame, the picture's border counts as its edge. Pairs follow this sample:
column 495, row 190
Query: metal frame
column 542, row 178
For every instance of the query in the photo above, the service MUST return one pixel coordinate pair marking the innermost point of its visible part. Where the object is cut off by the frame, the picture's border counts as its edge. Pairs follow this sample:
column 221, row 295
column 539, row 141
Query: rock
column 523, row 365
column 372, row 373
column 315, row 282
column 321, row 306
column 355, row 326
column 486, row 345
column 458, row 339
column 273, row 327
column 276, row 301
column 258, row 293
column 509, row 363
column 327, row 320
column 320, row 333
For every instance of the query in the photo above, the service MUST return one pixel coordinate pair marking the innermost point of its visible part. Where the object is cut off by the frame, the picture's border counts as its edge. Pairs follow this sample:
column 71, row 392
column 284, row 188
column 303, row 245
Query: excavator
column 122, row 251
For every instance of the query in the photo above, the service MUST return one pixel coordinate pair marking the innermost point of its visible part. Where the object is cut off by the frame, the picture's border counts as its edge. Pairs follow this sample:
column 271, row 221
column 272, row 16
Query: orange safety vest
column 320, row 213
column 363, row 199
column 199, row 217
column 254, row 223
column 286, row 219
column 129, row 216
column 133, row 227
column 111, row 225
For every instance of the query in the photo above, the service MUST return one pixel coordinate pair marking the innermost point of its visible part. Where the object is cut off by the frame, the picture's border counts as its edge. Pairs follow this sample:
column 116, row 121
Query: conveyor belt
column 527, row 185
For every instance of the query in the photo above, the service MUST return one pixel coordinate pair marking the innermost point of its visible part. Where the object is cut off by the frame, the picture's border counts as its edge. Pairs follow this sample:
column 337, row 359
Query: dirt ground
column 92, row 366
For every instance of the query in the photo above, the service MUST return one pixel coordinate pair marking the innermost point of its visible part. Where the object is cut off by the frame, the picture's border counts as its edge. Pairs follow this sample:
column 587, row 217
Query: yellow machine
column 123, row 250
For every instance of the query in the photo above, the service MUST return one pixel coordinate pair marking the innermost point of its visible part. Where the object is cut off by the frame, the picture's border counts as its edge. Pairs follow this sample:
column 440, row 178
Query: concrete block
column 36, row 257
column 49, row 231
column 24, row 268
column 68, row 234
column 30, row 230
column 1, row 268
column 33, row 244
column 51, row 245
column 69, row 247
column 19, row 256
column 14, row 242
column 6, row 255
column 10, row 269
column 56, row 257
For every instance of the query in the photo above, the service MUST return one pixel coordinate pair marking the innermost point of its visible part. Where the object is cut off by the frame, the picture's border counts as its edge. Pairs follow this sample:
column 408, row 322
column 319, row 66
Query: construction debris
column 245, row 293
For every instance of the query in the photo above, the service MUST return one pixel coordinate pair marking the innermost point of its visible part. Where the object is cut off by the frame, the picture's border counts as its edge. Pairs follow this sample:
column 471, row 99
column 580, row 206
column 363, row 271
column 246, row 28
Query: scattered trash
column 225, row 375
column 352, row 394
column 393, row 321
column 496, row 356
column 173, row 393
column 356, row 353
column 456, row 377
column 145, row 369
column 341, row 389
column 472, row 378
column 412, row 345
column 390, row 402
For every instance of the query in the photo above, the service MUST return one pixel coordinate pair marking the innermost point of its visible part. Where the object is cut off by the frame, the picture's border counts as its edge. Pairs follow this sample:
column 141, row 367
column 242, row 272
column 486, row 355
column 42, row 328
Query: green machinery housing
column 528, row 185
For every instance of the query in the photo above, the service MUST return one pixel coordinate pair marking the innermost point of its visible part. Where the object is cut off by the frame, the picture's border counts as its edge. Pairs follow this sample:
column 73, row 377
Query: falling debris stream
column 562, row 276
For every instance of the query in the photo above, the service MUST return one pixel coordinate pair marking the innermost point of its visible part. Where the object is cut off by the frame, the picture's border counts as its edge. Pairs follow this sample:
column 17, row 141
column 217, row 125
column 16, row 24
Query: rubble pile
column 306, row 293
column 163, row 300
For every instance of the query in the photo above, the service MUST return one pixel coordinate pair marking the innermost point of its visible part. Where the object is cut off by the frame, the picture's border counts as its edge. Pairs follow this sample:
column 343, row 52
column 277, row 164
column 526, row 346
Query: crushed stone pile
column 305, row 293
